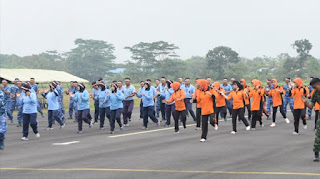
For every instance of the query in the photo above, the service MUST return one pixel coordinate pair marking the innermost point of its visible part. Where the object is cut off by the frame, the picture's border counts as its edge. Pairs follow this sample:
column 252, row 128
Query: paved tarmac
column 159, row 153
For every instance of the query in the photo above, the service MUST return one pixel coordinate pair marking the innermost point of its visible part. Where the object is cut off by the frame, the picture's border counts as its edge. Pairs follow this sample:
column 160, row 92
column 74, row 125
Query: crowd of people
column 161, row 101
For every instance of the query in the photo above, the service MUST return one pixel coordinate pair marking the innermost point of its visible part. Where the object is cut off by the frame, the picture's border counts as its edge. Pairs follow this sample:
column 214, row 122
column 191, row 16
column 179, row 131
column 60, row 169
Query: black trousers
column 205, row 119
column 275, row 110
column 240, row 114
column 104, row 112
column 198, row 116
column 177, row 117
column 297, row 114
column 223, row 110
column 256, row 116
column 96, row 111
column 248, row 106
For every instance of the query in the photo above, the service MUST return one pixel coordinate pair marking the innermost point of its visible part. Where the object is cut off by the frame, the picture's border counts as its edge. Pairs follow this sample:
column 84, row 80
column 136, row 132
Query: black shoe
column 79, row 132
column 70, row 117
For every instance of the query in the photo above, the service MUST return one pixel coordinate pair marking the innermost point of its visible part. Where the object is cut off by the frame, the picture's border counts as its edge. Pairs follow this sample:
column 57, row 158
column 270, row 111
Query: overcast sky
column 251, row 27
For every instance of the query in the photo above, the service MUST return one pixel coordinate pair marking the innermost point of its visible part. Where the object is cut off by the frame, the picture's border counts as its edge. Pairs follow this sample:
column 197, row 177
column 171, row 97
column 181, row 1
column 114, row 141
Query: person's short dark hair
column 16, row 79
column 100, row 79
column 93, row 83
column 314, row 81
column 31, row 78
column 269, row 80
column 114, row 81
column 197, row 78
column 120, row 81
column 163, row 77
column 148, row 80
column 75, row 82
column 141, row 81
column 187, row 78
column 288, row 78
column 209, row 77
column 127, row 78
column 157, row 79
column 225, row 78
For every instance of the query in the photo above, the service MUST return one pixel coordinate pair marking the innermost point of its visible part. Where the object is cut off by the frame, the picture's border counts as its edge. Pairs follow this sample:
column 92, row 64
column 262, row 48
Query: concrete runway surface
column 159, row 153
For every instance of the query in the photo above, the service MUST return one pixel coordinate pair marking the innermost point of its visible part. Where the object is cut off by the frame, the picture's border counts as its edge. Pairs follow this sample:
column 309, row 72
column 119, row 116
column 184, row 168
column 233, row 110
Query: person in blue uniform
column 5, row 88
column 287, row 98
column 3, row 121
column 35, row 88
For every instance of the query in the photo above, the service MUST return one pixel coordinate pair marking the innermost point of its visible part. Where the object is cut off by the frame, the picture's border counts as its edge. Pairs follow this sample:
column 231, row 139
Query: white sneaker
column 253, row 129
column 262, row 125
column 273, row 124
column 295, row 133
column 287, row 120
column 49, row 128
column 62, row 126
column 305, row 127
column 24, row 138
column 198, row 128
column 37, row 135
column 176, row 132
column 216, row 127
column 126, row 125
column 233, row 132
column 248, row 128
column 202, row 140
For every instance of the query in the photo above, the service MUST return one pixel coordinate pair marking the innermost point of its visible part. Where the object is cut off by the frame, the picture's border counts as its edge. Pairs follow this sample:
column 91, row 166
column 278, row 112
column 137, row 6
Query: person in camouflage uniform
column 315, row 83
column 3, row 121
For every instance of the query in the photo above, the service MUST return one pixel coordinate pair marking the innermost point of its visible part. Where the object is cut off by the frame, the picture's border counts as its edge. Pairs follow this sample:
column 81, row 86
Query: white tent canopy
column 40, row 76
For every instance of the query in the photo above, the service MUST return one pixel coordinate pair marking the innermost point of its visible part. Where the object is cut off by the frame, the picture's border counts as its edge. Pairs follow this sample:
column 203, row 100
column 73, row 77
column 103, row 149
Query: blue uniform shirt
column 13, row 90
column 116, row 101
column 287, row 90
column 6, row 96
column 82, row 99
column 167, row 95
column 95, row 93
column 52, row 98
column 226, row 88
column 147, row 99
column 188, row 90
column 127, row 91
column 29, row 103
column 101, row 97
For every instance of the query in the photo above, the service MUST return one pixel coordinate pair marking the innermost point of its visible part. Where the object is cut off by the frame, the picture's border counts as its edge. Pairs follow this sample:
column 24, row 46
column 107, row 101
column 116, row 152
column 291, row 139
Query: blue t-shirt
column 29, row 103
column 226, row 88
column 52, row 98
column 116, row 101
column 127, row 91
column 82, row 100
column 188, row 90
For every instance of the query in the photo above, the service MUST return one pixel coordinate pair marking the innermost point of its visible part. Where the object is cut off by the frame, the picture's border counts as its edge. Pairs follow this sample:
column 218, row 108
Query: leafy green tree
column 220, row 59
column 91, row 59
column 303, row 48
column 152, row 55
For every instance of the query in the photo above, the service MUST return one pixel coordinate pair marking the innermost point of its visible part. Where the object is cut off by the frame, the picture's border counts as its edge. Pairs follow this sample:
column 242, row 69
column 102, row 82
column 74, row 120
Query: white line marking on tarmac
column 66, row 143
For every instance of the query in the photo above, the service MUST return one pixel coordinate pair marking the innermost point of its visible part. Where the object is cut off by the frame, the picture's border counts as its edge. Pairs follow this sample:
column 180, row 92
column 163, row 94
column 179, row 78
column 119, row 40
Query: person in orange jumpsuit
column 298, row 105
column 257, row 95
column 198, row 106
column 247, row 100
column 178, row 97
column 238, row 95
column 276, row 93
column 206, row 98
column 221, row 105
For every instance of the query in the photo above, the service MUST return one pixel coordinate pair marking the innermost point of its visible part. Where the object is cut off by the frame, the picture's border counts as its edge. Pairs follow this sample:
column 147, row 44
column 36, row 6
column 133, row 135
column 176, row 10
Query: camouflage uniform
column 316, row 98
column 3, row 122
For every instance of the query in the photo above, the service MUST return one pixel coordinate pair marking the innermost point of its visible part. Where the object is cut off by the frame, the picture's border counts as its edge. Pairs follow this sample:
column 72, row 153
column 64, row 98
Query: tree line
column 91, row 59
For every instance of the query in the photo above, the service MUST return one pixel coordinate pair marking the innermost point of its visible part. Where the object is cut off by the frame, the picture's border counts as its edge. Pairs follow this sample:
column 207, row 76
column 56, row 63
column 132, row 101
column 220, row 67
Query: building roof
column 40, row 75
